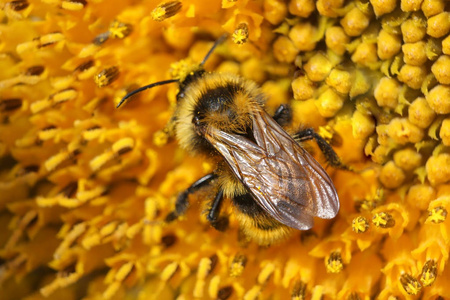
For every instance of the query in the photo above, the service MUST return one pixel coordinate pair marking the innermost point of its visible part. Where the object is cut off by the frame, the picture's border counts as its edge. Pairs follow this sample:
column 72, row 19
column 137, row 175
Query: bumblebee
column 274, row 184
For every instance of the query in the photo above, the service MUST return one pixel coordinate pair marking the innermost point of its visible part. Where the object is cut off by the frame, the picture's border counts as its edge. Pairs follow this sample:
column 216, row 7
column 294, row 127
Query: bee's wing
column 284, row 179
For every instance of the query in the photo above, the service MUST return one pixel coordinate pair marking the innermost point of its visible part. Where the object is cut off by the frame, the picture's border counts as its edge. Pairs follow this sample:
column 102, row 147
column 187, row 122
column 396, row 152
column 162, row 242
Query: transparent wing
column 283, row 178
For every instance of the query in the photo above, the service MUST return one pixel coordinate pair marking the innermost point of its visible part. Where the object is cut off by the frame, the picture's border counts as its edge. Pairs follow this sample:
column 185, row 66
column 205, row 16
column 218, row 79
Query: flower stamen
column 299, row 291
column 225, row 293
column 437, row 215
column 106, row 76
column 240, row 35
column 10, row 104
column 238, row 265
column 73, row 4
column 383, row 220
column 166, row 10
column 120, row 30
column 411, row 285
column 334, row 262
column 18, row 5
column 360, row 224
column 429, row 273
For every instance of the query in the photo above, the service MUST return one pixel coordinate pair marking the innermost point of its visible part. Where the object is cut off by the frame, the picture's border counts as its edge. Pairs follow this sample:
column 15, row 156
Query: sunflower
column 85, row 187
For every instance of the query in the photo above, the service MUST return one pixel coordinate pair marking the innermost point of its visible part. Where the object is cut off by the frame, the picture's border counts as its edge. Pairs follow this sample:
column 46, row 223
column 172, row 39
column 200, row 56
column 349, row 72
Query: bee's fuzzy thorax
column 224, row 101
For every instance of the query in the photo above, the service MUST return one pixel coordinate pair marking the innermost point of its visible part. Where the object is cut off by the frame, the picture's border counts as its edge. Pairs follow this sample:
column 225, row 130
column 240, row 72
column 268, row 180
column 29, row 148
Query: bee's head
column 224, row 102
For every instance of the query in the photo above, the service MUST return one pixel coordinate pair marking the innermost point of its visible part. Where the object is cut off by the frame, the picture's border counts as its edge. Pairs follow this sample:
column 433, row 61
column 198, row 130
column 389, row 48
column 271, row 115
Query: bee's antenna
column 216, row 43
column 144, row 88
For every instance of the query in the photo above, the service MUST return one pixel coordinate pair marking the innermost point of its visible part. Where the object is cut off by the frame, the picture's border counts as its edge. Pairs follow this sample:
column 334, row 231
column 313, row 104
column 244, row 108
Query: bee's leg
column 220, row 223
column 213, row 213
column 283, row 115
column 331, row 156
column 182, row 203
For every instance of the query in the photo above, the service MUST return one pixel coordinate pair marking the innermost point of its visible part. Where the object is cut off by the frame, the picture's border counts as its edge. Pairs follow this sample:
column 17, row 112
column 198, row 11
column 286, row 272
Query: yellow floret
column 438, row 97
column 363, row 125
column 414, row 29
column 410, row 5
column 391, row 176
column 446, row 45
column 355, row 22
column 366, row 55
column 336, row 39
column 340, row 80
column 274, row 11
column 284, row 50
column 429, row 273
column 329, row 103
column 106, row 76
column 329, row 8
column 302, row 35
column 360, row 224
column 413, row 76
column 438, row 168
column 420, row 113
column 402, row 131
column 303, row 88
column 318, row 67
column 408, row 159
column 361, row 84
column 420, row 195
column 411, row 285
column 240, row 34
column 382, row 7
column 439, row 25
column 383, row 220
column 334, row 263
column 165, row 10
column 441, row 69
column 432, row 7
column 301, row 8
column 388, row 44
column 386, row 92
column 414, row 53
column 444, row 133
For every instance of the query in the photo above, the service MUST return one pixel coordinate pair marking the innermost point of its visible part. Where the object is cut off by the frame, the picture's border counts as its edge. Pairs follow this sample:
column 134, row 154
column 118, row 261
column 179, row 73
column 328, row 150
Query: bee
column 274, row 184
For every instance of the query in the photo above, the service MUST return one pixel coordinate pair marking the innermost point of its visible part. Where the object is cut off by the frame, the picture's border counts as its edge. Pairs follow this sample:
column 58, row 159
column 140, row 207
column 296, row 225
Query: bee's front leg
column 182, row 203
column 283, row 115
column 331, row 156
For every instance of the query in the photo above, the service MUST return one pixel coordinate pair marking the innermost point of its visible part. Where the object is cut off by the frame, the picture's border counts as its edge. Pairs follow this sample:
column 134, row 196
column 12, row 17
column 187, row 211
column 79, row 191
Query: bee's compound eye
column 196, row 120
column 199, row 125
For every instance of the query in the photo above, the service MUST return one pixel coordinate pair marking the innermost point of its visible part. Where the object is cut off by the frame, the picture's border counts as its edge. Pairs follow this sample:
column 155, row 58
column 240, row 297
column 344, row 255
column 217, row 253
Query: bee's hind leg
column 331, row 156
column 283, row 115
column 219, row 223
column 182, row 203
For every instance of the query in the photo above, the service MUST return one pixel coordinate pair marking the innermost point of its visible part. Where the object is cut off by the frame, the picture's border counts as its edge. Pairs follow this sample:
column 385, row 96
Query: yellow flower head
column 88, row 191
